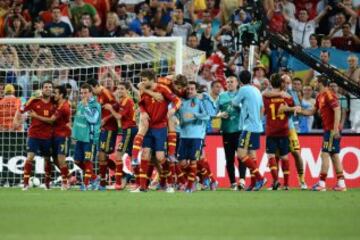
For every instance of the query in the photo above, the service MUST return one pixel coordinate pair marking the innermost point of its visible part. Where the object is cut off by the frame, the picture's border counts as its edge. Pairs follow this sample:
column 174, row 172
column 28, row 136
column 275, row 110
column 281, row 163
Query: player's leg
column 107, row 145
column 325, row 161
column 242, row 167
column 171, row 139
column 139, row 138
column 60, row 148
column 192, row 153
column 299, row 162
column 230, row 159
column 340, row 185
column 271, row 146
column 181, row 166
column 248, row 144
column 283, row 150
column 122, row 148
column 45, row 151
column 88, row 156
column 28, row 164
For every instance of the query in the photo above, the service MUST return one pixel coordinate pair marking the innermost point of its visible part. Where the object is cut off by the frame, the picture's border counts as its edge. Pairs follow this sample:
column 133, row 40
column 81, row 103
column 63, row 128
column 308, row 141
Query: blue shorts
column 277, row 145
column 84, row 151
column 155, row 139
column 60, row 146
column 330, row 144
column 39, row 146
column 190, row 149
column 107, row 141
column 127, row 140
column 249, row 140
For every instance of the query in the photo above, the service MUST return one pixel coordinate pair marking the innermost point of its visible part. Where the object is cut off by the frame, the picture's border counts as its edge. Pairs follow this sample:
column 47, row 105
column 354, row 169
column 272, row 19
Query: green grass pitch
column 39, row 214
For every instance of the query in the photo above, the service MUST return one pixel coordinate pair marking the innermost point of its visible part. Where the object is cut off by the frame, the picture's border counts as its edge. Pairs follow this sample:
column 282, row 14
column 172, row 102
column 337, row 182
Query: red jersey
column 168, row 83
column 158, row 110
column 103, row 98
column 325, row 103
column 276, row 123
column 62, row 123
column 40, row 129
column 127, row 112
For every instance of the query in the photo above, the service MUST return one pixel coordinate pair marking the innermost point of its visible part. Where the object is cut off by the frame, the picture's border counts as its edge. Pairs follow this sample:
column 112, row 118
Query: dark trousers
column 230, row 141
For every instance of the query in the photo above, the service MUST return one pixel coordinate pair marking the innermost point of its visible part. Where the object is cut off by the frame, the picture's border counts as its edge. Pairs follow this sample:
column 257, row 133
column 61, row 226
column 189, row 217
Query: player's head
column 180, row 82
column 245, row 77
column 148, row 77
column 122, row 89
column 297, row 84
column 107, row 82
column 216, row 87
column 47, row 89
column 85, row 91
column 276, row 81
column 60, row 92
column 95, row 85
column 232, row 83
column 322, row 82
column 287, row 81
column 192, row 88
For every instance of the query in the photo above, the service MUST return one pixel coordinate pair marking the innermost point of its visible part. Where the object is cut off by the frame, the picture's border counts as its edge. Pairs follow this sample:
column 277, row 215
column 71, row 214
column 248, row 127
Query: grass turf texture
column 39, row 214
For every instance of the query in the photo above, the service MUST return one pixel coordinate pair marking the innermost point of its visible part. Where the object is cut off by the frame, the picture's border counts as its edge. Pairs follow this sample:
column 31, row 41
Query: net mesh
column 26, row 66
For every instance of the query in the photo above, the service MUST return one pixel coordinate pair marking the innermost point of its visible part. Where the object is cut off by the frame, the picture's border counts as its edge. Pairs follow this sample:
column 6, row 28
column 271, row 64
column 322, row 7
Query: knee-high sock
column 136, row 170
column 192, row 175
column 118, row 173
column 143, row 177
column 251, row 164
column 286, row 171
column 64, row 174
column 27, row 172
column 103, row 170
column 180, row 175
column 172, row 173
column 207, row 167
column 171, row 141
column 273, row 168
column 88, row 166
column 149, row 172
column 242, row 169
column 138, row 142
column 48, row 168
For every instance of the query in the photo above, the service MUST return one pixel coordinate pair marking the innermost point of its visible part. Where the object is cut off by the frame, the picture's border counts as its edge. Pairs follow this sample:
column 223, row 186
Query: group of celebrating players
column 171, row 130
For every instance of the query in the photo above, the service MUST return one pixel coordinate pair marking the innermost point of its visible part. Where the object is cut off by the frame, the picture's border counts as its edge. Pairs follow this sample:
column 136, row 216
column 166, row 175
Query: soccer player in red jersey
column 157, row 114
column 328, row 105
column 109, row 128
column 40, row 132
column 126, row 115
column 277, row 130
column 62, row 131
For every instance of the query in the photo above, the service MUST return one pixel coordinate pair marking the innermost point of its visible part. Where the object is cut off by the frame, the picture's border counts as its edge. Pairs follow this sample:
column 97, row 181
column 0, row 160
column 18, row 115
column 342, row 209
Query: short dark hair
column 62, row 90
column 297, row 80
column 148, row 73
column 125, row 84
column 93, row 82
column 46, row 82
column 324, row 80
column 325, row 51
column 245, row 77
column 86, row 86
column 214, row 82
column 181, row 80
column 194, row 83
column 276, row 80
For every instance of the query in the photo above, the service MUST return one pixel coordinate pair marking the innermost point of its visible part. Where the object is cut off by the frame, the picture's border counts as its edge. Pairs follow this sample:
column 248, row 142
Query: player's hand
column 84, row 101
column 141, row 86
column 171, row 113
column 282, row 109
column 188, row 115
column 158, row 97
column 297, row 109
column 108, row 106
column 224, row 115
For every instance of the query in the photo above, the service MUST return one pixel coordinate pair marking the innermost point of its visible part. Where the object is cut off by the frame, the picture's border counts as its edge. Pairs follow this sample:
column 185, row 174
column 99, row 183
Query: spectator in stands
column 8, row 107
column 227, row 8
column 79, row 9
column 307, row 102
column 102, row 8
column 192, row 41
column 340, row 19
column 125, row 17
column 353, row 73
column 112, row 26
column 259, row 77
column 146, row 30
column 161, row 15
column 177, row 26
column 313, row 41
column 16, row 27
column 9, row 60
column 218, row 64
column 140, row 11
column 64, row 78
column 58, row 28
column 206, row 77
column 2, row 86
column 47, row 16
column 39, row 29
column 325, row 59
column 201, row 25
column 348, row 41
column 288, row 7
column 87, row 21
column 302, row 27
column 343, row 103
column 326, row 42
column 277, row 22
column 207, row 41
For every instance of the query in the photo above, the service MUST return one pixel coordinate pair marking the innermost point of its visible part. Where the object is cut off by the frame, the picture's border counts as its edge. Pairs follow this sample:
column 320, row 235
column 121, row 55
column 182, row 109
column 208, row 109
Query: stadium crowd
column 210, row 26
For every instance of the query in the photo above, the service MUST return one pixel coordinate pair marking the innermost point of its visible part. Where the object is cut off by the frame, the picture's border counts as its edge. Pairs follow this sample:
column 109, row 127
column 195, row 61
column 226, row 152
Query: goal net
column 26, row 63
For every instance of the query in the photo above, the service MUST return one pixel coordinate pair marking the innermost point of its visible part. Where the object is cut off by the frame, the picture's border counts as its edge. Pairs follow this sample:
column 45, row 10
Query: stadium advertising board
column 12, row 157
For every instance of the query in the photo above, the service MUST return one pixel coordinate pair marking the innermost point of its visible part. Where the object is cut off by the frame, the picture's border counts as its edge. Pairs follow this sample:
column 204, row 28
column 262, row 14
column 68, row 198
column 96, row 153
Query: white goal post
column 27, row 62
